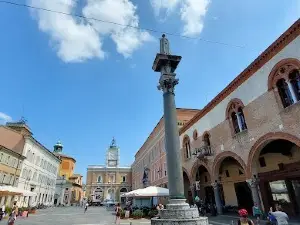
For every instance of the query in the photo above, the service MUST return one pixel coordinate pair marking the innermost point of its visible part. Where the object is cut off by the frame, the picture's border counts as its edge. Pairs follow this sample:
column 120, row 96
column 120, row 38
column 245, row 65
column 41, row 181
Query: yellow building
column 108, row 181
column 68, row 185
column 10, row 169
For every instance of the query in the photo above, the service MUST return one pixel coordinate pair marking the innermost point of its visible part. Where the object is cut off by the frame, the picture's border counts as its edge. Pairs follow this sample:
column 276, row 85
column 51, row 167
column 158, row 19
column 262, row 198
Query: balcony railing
column 203, row 152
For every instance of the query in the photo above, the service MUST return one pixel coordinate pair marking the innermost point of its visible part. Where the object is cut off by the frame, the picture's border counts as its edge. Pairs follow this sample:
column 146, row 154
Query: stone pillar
column 217, row 198
column 253, row 184
column 192, row 188
column 292, row 91
column 177, row 210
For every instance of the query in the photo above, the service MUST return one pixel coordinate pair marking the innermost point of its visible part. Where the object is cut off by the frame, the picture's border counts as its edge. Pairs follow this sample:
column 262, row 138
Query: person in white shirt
column 281, row 217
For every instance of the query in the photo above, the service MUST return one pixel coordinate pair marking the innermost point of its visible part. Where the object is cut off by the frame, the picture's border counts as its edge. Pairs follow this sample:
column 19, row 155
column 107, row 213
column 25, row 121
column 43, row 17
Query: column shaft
column 254, row 190
column 175, row 175
column 218, row 199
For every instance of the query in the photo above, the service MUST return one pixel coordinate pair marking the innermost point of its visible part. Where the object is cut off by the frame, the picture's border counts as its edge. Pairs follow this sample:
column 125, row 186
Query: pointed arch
column 281, row 70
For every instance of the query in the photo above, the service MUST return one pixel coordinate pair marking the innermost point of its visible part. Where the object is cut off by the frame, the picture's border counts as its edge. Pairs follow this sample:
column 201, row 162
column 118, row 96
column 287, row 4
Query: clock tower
column 112, row 155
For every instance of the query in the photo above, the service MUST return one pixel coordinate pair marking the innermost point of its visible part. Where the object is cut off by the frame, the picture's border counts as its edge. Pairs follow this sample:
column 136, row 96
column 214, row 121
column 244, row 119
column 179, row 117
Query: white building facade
column 38, row 174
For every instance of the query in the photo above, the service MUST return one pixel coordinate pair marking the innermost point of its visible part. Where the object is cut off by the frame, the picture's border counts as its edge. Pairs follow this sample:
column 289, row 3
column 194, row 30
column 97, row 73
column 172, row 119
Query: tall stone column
column 253, row 183
column 217, row 198
column 177, row 210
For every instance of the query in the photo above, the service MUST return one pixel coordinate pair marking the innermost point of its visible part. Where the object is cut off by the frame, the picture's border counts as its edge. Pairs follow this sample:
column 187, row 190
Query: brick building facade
column 243, row 147
column 151, row 155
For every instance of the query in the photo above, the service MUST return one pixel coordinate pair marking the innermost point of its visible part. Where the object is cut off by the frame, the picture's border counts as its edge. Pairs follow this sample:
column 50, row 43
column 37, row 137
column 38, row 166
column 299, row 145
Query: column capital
column 167, row 82
column 252, row 182
column 215, row 185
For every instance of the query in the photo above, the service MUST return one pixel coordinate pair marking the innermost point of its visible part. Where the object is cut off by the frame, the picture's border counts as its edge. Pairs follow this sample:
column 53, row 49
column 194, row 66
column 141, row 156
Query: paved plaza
column 95, row 216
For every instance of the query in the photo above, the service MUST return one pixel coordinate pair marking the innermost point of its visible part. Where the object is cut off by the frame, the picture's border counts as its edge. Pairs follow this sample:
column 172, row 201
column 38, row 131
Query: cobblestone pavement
column 96, row 216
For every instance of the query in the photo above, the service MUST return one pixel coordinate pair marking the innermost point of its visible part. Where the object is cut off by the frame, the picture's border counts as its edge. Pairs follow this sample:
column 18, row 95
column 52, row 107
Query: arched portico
column 229, row 180
column 274, row 166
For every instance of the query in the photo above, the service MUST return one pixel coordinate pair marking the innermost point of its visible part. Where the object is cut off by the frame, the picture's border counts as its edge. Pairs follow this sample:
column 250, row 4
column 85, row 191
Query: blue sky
column 83, row 82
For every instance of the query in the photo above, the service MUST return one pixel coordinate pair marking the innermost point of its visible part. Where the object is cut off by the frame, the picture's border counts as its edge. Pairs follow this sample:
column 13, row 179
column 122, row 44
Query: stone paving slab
column 98, row 216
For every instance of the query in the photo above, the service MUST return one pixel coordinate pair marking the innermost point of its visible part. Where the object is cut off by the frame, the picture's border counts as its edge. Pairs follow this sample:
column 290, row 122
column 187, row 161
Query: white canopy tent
column 151, row 191
column 15, row 191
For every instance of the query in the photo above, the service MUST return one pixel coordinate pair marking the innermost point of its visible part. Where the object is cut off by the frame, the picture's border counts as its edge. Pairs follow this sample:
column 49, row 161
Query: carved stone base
column 179, row 213
column 196, row 221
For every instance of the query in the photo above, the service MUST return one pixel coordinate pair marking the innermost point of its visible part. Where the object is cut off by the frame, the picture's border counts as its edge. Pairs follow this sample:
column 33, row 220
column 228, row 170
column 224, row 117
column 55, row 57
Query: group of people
column 277, row 217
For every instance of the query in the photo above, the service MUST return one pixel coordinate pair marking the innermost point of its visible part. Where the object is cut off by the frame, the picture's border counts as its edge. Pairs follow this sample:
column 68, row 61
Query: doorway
column 244, row 196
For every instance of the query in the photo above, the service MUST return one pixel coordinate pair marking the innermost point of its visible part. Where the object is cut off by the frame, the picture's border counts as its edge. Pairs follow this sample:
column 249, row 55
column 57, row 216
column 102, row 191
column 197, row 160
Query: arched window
column 187, row 147
column 285, row 77
column 99, row 180
column 236, row 116
column 206, row 139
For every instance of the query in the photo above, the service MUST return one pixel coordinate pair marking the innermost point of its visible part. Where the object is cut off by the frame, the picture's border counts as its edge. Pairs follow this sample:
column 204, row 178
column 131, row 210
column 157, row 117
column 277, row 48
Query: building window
column 195, row 135
column 206, row 139
column 99, row 180
column 227, row 173
column 187, row 147
column 236, row 116
column 123, row 178
column 285, row 76
column 262, row 162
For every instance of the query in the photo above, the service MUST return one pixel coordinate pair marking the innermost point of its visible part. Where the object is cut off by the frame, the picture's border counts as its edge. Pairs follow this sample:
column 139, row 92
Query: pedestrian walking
column 256, row 213
column 118, row 213
column 244, row 220
column 85, row 207
column 12, row 218
column 281, row 217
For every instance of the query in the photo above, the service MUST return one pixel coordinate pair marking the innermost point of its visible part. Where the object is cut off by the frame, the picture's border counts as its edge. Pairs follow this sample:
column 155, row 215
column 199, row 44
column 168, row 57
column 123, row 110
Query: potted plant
column 122, row 214
column 32, row 210
column 137, row 214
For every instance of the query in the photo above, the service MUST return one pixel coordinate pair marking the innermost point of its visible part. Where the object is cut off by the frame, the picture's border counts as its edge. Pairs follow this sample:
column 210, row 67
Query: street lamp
column 177, row 211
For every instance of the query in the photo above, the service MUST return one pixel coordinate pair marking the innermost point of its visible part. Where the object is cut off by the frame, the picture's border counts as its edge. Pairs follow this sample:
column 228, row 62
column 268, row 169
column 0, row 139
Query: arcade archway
column 231, row 176
column 276, row 164
column 98, row 195
column 203, row 188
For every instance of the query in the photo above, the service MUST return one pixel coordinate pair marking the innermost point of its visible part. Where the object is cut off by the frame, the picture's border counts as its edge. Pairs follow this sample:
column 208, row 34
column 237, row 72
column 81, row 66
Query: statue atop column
column 164, row 45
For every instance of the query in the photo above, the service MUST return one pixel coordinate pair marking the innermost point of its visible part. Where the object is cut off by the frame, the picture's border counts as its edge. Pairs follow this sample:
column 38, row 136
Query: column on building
column 192, row 188
column 217, row 198
column 253, row 183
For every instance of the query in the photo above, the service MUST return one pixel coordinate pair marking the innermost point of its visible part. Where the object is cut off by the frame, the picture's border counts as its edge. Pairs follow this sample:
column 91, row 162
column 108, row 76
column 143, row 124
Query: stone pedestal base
column 179, row 213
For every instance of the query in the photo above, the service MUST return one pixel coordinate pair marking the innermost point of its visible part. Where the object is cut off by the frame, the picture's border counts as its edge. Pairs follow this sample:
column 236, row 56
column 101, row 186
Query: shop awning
column 10, row 190
column 151, row 191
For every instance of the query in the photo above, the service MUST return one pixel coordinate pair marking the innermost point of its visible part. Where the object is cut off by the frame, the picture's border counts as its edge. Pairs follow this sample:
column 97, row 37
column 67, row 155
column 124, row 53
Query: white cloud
column 127, row 39
column 4, row 118
column 77, row 40
column 164, row 6
column 192, row 13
